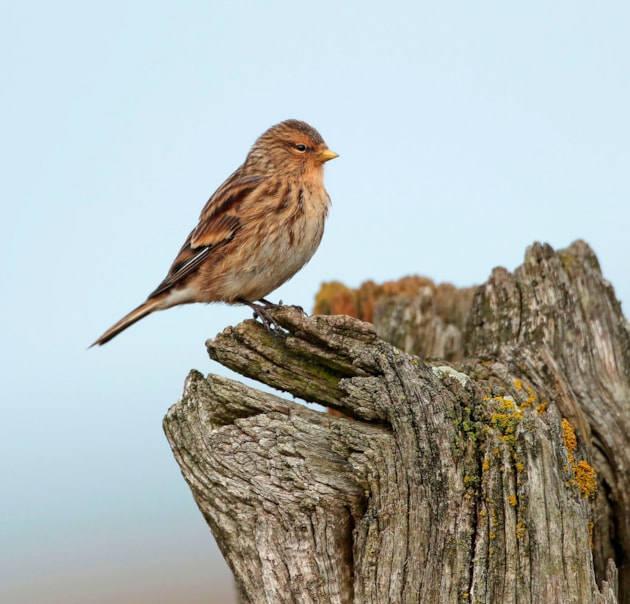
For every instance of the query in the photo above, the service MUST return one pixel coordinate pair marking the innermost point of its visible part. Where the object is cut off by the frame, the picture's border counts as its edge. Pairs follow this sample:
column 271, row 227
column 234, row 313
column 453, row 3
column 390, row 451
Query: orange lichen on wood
column 335, row 298
column 584, row 474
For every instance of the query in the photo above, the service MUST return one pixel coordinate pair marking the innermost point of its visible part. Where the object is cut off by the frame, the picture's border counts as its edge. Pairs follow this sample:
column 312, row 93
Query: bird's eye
column 300, row 147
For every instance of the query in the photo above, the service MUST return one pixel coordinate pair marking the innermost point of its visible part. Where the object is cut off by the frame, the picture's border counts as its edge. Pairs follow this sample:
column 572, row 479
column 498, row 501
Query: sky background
column 466, row 131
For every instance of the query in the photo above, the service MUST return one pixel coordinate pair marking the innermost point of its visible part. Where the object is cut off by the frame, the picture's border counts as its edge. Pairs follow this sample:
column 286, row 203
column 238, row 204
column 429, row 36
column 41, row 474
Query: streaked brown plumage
column 260, row 227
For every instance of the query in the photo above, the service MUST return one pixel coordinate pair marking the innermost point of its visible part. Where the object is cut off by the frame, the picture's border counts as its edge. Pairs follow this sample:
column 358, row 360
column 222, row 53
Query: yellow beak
column 325, row 155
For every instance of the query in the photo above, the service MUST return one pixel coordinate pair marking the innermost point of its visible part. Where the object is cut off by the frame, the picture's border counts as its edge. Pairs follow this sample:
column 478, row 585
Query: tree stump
column 499, row 473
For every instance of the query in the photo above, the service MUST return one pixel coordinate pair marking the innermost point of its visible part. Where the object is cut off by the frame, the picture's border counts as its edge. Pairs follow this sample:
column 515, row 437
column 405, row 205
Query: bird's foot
column 260, row 312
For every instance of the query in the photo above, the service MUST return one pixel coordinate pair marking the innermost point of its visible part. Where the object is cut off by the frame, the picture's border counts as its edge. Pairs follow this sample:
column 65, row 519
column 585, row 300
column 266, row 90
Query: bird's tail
column 142, row 311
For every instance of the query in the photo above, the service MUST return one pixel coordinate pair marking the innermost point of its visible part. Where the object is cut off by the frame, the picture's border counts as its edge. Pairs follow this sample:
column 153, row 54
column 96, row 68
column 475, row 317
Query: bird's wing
column 218, row 223
column 219, row 217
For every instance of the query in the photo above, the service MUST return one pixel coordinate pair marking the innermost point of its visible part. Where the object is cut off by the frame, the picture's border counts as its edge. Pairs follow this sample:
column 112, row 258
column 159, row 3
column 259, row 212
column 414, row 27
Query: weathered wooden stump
column 500, row 476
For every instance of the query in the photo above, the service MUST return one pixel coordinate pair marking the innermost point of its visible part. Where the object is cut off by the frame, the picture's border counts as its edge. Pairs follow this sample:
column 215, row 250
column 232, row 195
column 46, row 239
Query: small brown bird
column 261, row 226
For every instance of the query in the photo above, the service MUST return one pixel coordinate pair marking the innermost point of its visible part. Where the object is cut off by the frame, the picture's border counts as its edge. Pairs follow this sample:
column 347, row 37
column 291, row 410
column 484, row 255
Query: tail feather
column 142, row 311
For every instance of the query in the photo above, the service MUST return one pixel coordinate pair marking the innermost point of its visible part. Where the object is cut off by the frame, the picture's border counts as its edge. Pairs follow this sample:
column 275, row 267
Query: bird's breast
column 276, row 245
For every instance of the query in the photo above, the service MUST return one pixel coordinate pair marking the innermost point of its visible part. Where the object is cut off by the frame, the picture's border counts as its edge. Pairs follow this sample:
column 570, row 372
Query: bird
column 258, row 229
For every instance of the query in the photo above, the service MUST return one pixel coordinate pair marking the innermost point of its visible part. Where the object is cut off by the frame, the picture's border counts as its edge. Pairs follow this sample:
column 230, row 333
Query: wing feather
column 218, row 223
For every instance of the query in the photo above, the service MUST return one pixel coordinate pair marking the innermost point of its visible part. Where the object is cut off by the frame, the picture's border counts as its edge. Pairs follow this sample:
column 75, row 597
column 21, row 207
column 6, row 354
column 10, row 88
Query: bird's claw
column 260, row 312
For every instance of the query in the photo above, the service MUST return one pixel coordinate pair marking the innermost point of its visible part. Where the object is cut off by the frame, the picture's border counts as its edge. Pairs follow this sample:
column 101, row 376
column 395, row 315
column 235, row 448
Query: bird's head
column 290, row 147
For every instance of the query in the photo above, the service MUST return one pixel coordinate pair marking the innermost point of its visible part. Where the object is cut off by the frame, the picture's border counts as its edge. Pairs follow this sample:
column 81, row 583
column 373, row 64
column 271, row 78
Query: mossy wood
column 500, row 476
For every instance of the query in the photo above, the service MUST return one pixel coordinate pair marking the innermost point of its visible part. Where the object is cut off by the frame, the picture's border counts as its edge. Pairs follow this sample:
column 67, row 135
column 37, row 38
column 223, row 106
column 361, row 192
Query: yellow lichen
column 568, row 437
column 584, row 474
column 542, row 408
column 470, row 480
column 493, row 518
column 506, row 418
column 512, row 499
column 531, row 396
column 586, row 478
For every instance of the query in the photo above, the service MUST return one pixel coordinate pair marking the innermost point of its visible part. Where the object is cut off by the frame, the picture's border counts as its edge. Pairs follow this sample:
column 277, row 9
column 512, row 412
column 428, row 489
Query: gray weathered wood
column 443, row 483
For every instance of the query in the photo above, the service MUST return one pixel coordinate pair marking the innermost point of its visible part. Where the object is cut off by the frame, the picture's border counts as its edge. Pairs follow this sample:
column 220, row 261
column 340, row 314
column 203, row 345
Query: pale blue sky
column 466, row 131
